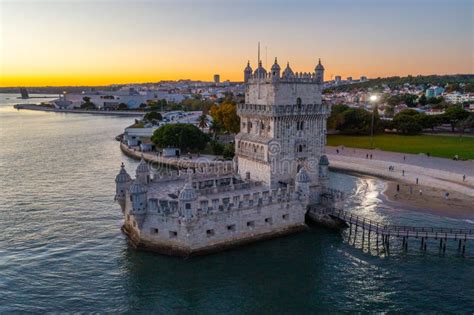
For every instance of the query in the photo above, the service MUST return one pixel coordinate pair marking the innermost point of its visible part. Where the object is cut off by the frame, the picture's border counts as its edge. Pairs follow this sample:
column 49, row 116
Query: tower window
column 154, row 231
column 173, row 234
column 285, row 216
column 268, row 220
column 251, row 224
column 298, row 102
column 231, row 227
column 210, row 233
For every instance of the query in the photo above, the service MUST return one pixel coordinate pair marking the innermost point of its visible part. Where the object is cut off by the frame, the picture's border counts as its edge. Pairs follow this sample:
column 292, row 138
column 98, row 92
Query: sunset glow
column 102, row 42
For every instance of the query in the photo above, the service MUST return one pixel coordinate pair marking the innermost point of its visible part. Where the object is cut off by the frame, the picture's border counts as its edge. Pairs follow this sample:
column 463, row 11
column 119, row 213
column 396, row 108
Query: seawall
column 79, row 111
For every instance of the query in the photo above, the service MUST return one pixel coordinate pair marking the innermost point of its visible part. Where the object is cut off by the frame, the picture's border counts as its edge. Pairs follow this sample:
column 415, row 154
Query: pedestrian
column 337, row 151
column 403, row 172
column 367, row 156
column 417, row 180
column 464, row 178
column 371, row 156
column 421, row 192
column 398, row 187
column 446, row 195
column 404, row 158
column 428, row 154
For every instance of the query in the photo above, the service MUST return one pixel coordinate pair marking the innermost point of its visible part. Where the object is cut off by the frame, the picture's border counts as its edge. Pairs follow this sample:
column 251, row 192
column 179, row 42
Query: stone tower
column 283, row 126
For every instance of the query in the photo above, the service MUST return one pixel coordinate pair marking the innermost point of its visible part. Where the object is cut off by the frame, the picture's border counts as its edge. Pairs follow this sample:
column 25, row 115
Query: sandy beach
column 435, row 177
column 430, row 200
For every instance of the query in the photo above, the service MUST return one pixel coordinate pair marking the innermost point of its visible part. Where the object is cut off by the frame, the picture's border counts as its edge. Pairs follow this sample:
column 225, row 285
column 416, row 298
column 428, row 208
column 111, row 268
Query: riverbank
column 433, row 176
column 203, row 161
column 78, row 111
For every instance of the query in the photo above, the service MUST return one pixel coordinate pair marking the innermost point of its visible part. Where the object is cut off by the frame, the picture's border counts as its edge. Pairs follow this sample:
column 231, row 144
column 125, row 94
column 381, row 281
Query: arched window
column 298, row 101
column 300, row 148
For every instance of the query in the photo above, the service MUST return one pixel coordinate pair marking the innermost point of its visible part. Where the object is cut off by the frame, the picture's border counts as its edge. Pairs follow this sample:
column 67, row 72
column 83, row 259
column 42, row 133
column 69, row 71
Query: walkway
column 431, row 171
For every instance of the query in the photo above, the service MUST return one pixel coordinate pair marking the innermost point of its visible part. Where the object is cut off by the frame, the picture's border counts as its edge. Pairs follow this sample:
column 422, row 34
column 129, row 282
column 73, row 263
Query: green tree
column 389, row 111
column 122, row 106
column 336, row 117
column 229, row 151
column 422, row 100
column 217, row 147
column 202, row 122
column 407, row 124
column 454, row 114
column 356, row 121
column 152, row 116
column 187, row 137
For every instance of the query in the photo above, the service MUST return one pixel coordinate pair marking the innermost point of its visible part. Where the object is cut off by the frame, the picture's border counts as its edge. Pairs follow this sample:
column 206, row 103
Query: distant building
column 24, row 93
column 217, row 78
column 349, row 79
column 434, row 91
column 363, row 78
column 337, row 79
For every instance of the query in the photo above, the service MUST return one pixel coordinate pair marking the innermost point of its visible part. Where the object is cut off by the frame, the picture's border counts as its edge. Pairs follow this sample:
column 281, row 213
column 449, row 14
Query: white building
column 279, row 169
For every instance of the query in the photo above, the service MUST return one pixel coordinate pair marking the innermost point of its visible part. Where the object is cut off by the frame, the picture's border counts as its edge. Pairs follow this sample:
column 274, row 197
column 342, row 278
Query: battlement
column 283, row 110
column 298, row 77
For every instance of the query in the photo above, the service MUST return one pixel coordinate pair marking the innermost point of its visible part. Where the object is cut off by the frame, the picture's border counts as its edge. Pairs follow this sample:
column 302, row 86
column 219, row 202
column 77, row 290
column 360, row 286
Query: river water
column 61, row 248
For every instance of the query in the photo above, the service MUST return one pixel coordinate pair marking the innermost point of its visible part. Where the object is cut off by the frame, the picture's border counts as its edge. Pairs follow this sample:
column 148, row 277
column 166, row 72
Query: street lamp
column 373, row 99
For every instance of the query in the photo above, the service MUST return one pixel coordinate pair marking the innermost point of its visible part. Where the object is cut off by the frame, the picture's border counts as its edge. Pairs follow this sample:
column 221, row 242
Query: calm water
column 61, row 248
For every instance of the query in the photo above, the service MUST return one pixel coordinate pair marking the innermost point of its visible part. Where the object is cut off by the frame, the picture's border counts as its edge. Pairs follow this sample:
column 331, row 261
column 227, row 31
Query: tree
column 217, row 147
column 389, row 111
column 152, row 116
column 409, row 121
column 226, row 116
column 336, row 117
column 356, row 121
column 467, row 123
column 229, row 151
column 87, row 103
column 406, row 124
column 86, row 99
column 455, row 114
column 122, row 106
column 422, row 100
column 202, row 122
column 187, row 137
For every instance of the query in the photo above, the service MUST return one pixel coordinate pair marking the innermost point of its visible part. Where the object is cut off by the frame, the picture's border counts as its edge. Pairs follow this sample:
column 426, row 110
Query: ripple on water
column 61, row 248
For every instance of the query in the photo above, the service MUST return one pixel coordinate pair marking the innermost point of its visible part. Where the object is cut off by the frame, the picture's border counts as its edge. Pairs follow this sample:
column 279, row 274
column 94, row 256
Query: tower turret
column 138, row 197
column 302, row 182
column 288, row 73
column 122, row 185
column 143, row 172
column 187, row 196
column 323, row 170
column 276, row 70
column 319, row 73
column 247, row 72
column 260, row 72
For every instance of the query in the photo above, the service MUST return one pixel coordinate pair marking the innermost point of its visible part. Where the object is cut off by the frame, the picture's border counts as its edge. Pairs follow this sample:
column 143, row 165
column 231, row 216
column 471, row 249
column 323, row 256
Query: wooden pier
column 384, row 233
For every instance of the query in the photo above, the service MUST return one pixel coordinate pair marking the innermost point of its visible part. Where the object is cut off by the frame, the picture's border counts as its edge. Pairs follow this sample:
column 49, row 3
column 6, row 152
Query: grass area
column 441, row 146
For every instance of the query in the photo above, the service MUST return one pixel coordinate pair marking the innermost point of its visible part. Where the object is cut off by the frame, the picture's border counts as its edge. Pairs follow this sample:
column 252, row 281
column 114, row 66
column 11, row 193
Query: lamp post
column 372, row 99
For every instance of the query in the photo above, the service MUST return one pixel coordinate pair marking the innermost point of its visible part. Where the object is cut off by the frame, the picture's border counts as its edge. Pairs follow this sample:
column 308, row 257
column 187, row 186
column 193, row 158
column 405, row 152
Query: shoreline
column 458, row 206
column 182, row 163
column 78, row 111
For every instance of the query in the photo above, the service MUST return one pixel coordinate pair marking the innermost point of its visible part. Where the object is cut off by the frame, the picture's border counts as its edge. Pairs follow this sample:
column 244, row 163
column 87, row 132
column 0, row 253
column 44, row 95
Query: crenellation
column 279, row 169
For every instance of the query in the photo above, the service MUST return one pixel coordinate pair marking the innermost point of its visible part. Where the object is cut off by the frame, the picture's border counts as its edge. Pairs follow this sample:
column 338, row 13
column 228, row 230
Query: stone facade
column 280, row 168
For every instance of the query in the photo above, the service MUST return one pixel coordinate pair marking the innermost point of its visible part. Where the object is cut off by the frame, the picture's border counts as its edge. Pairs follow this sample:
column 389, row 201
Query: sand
column 431, row 200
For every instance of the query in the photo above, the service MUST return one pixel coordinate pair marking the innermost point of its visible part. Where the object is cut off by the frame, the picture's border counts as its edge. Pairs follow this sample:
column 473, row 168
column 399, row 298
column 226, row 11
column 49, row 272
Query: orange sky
column 98, row 43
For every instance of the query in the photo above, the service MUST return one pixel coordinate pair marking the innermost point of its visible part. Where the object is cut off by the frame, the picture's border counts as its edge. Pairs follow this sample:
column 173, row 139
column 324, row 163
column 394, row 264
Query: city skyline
column 100, row 43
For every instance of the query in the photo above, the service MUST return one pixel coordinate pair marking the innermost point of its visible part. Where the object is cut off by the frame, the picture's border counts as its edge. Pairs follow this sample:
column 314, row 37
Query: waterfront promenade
column 202, row 161
column 432, row 172
column 79, row 111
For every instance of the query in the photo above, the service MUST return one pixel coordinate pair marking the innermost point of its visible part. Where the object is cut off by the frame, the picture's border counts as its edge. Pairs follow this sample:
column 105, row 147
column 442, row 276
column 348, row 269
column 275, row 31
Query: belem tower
column 278, row 172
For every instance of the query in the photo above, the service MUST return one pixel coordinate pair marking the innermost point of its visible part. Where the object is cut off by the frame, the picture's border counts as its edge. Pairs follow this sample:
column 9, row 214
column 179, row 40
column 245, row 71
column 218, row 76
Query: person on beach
column 367, row 156
column 421, row 192
column 371, row 156
column 404, row 158
column 403, row 172
column 398, row 188
column 446, row 195
column 417, row 180
column 337, row 151
column 464, row 178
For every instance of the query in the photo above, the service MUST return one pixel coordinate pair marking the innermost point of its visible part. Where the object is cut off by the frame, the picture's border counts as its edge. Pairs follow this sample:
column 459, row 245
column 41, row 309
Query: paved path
column 433, row 172
column 202, row 161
